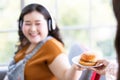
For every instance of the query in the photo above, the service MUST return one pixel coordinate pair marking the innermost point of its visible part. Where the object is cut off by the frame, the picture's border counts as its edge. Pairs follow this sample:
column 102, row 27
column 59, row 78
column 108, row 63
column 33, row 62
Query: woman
column 49, row 62
column 116, row 8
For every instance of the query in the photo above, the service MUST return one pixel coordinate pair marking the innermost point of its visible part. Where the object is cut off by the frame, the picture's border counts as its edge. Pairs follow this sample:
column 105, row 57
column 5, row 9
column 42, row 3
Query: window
column 9, row 11
column 90, row 23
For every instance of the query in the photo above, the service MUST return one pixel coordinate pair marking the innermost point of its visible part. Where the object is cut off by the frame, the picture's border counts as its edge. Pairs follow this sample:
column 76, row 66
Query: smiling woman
column 41, row 45
column 85, row 26
column 8, row 29
column 35, row 27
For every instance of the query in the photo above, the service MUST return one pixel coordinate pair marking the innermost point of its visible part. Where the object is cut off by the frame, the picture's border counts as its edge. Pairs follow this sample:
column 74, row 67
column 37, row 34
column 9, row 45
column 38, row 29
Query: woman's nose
column 33, row 28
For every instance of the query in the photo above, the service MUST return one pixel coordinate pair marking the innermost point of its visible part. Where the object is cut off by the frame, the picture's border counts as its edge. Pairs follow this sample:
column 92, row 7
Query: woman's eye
column 37, row 24
column 27, row 24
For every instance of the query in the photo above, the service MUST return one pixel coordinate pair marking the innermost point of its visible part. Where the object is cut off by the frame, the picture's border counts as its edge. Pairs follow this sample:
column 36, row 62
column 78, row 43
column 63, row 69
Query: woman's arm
column 73, row 73
column 62, row 69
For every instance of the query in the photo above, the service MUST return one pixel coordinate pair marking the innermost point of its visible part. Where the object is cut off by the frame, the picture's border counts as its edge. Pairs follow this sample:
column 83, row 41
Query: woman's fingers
column 101, row 66
column 103, row 62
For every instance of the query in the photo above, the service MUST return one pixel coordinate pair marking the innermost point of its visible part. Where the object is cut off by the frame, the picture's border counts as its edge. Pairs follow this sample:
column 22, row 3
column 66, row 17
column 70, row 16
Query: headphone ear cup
column 21, row 23
column 51, row 25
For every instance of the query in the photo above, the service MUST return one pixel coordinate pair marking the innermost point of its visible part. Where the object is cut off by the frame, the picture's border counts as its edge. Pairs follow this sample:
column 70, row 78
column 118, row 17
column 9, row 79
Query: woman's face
column 35, row 27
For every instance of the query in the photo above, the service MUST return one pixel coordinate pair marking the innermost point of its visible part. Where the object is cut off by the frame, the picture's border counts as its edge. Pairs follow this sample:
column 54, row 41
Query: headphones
column 50, row 21
column 20, row 23
column 51, row 24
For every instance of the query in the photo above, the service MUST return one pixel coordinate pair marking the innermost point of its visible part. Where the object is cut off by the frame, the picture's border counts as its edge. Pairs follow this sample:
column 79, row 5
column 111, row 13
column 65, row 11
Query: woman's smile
column 33, row 35
column 35, row 27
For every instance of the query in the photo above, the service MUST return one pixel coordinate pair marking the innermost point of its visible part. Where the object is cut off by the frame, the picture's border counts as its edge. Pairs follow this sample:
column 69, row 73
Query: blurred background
column 86, row 22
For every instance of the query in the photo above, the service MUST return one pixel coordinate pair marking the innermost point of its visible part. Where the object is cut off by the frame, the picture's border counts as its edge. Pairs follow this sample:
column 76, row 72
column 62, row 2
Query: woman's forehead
column 34, row 16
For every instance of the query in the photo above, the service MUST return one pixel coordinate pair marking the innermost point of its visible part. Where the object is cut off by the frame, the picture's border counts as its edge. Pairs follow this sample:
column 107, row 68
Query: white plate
column 75, row 60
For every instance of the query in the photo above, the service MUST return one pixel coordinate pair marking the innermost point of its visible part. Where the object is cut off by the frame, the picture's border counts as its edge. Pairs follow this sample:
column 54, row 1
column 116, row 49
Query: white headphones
column 51, row 24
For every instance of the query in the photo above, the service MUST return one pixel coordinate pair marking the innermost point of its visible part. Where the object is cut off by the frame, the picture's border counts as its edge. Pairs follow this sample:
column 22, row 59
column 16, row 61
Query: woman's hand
column 102, row 68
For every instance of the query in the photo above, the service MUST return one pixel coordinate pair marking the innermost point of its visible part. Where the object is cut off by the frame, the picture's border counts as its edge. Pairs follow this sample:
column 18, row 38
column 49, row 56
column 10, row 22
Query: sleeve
column 53, row 49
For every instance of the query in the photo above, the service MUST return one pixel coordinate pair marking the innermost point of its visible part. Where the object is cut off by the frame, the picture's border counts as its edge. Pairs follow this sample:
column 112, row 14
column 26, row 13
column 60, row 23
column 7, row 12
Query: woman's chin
column 35, row 41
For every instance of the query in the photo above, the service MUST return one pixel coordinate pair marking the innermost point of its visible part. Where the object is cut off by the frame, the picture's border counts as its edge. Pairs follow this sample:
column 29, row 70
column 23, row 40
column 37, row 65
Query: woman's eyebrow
column 35, row 21
column 26, row 21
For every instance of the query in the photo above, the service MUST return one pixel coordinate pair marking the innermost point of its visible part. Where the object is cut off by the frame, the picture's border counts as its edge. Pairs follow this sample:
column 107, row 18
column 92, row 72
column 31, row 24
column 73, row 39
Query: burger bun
column 88, row 59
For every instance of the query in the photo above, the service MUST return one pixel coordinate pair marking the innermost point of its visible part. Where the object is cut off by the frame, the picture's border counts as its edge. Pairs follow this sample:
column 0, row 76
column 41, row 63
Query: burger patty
column 88, row 61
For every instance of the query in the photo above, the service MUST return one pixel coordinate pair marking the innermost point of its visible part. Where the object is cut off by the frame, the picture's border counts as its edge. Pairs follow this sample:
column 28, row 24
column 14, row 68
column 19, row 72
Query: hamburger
column 88, row 59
